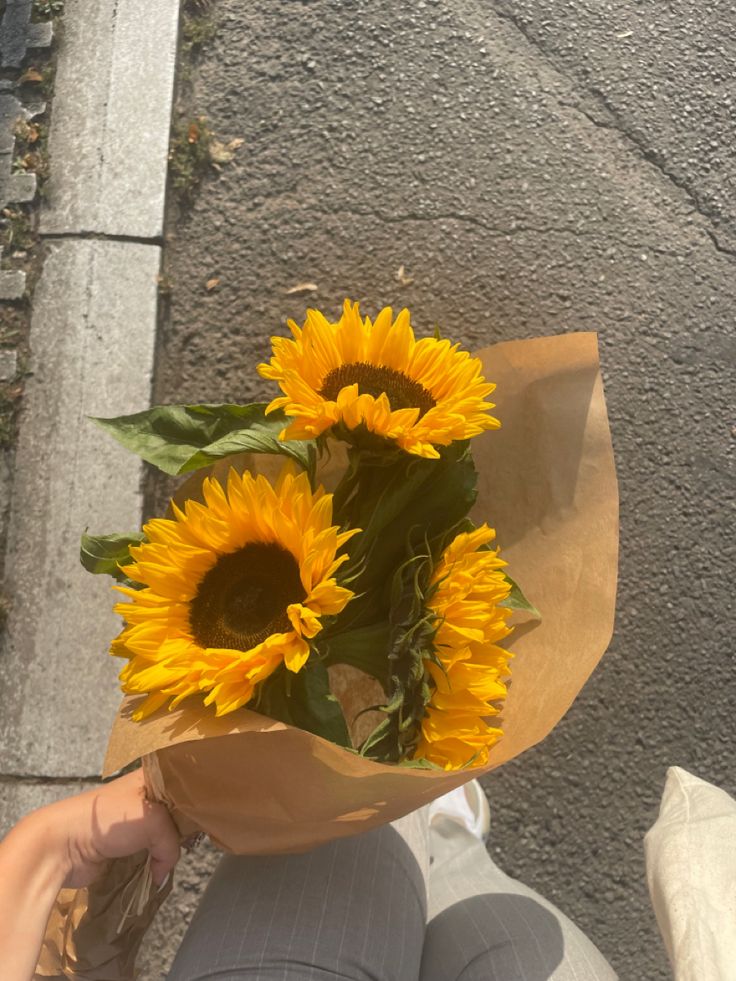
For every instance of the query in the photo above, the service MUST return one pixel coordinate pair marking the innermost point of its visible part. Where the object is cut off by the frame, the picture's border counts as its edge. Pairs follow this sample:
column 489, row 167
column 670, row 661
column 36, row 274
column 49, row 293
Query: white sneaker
column 467, row 806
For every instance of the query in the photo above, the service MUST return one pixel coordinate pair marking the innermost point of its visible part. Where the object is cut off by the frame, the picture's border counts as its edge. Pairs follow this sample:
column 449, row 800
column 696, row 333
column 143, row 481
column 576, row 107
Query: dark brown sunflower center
column 374, row 379
column 243, row 598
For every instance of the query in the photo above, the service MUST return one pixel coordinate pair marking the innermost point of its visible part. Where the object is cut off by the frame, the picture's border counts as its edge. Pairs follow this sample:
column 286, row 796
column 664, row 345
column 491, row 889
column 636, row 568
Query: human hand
column 67, row 844
column 110, row 821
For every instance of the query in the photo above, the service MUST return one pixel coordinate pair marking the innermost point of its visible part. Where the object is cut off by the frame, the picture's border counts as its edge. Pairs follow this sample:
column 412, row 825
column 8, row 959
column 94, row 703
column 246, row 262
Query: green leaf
column 420, row 764
column 516, row 600
column 408, row 507
column 317, row 709
column 257, row 440
column 376, row 738
column 304, row 700
column 365, row 648
column 181, row 438
column 103, row 554
column 414, row 498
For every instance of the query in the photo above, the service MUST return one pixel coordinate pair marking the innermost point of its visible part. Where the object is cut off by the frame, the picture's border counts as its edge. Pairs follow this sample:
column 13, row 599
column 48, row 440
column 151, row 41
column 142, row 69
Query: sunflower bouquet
column 249, row 596
column 315, row 636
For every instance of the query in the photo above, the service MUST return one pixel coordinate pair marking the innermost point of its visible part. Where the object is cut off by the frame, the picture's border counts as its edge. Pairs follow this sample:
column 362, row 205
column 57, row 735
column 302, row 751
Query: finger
column 163, row 846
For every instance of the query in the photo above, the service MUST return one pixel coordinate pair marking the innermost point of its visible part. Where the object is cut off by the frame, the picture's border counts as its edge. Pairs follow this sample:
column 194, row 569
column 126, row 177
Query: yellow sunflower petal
column 221, row 580
column 469, row 680
column 420, row 394
column 296, row 654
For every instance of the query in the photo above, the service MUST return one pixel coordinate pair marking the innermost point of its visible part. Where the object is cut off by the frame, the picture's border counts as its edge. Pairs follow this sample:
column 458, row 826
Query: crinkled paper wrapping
column 96, row 932
column 547, row 484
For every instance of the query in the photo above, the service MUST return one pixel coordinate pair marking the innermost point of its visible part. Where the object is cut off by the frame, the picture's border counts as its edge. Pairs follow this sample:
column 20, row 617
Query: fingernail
column 165, row 882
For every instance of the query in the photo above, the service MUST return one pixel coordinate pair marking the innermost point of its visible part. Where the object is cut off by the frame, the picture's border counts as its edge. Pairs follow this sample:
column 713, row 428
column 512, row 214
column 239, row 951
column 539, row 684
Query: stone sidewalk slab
column 10, row 110
column 93, row 343
column 18, row 797
column 18, row 33
column 12, row 284
column 14, row 187
column 110, row 132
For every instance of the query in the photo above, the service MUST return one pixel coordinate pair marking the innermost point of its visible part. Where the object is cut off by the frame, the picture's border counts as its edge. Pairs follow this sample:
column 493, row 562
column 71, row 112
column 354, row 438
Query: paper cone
column 547, row 484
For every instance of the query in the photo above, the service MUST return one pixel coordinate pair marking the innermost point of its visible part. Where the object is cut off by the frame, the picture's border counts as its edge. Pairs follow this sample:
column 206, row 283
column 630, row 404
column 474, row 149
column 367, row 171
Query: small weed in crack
column 47, row 9
column 17, row 231
column 189, row 155
column 196, row 31
column 31, row 150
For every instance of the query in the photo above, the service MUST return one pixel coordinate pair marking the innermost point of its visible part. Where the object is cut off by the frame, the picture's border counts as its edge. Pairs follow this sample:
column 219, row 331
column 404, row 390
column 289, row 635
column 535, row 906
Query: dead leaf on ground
column 165, row 285
column 403, row 278
column 31, row 75
column 193, row 133
column 212, row 284
column 25, row 131
column 303, row 288
column 223, row 153
column 31, row 161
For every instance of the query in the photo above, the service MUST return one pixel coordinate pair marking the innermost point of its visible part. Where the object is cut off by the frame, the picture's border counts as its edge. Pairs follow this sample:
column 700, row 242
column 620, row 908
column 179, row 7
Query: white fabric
column 691, row 871
column 467, row 805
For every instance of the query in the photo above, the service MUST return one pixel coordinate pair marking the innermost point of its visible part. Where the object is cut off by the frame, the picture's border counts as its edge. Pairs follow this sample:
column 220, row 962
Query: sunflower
column 420, row 394
column 470, row 676
column 233, row 588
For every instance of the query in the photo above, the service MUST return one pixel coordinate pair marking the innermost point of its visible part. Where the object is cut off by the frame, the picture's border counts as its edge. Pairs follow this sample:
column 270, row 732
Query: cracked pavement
column 663, row 76
column 535, row 169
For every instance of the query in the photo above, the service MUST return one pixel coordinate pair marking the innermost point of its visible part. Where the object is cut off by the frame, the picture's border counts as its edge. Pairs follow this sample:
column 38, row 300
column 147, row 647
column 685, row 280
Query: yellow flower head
column 234, row 587
column 470, row 585
column 421, row 394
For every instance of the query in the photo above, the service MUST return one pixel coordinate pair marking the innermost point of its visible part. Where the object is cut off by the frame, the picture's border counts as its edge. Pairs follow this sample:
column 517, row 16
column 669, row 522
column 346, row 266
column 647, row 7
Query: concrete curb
column 111, row 125
column 93, row 338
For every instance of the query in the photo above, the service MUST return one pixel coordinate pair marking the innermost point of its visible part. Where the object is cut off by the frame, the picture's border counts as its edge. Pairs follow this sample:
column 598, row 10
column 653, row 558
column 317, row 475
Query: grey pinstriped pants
column 375, row 908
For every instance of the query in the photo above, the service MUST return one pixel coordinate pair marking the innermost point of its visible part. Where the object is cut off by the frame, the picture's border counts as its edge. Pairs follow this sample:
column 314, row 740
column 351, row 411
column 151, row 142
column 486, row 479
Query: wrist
column 32, row 870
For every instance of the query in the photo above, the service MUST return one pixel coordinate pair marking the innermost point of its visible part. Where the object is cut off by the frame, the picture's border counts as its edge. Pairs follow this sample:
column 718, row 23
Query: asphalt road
column 535, row 168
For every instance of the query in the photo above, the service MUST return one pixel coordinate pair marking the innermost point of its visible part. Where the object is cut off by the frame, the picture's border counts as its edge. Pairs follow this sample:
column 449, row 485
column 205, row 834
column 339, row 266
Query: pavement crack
column 492, row 231
column 102, row 237
column 719, row 247
column 616, row 123
column 647, row 153
column 40, row 779
column 448, row 216
column 600, row 123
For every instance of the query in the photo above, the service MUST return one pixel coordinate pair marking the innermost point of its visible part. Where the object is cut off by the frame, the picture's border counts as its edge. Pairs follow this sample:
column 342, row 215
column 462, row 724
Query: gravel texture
column 528, row 181
column 164, row 935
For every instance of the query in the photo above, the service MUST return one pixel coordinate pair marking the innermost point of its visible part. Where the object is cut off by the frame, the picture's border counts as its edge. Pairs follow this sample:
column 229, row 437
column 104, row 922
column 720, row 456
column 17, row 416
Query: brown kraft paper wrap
column 96, row 932
column 547, row 484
